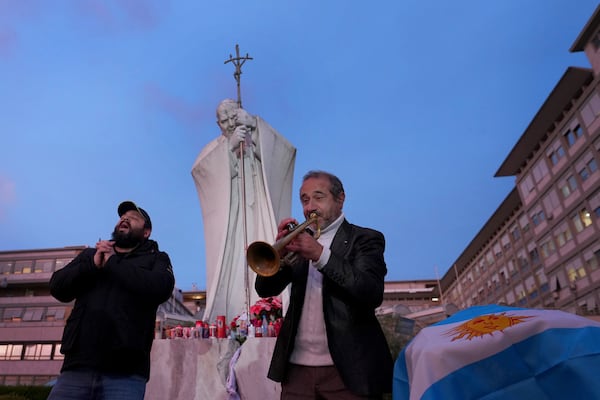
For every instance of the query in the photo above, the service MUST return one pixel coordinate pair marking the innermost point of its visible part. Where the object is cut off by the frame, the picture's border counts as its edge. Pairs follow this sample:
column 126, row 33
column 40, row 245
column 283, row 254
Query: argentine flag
column 495, row 352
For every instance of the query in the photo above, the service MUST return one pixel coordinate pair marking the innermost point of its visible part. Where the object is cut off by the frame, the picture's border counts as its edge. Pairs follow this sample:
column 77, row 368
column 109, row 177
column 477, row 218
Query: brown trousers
column 317, row 383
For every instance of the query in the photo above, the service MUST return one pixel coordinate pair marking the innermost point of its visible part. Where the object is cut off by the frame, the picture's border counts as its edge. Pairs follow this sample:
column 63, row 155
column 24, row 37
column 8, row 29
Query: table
column 197, row 369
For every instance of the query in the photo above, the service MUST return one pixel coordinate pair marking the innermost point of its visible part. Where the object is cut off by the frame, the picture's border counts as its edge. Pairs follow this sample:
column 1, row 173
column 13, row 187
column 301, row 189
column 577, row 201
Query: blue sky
column 414, row 104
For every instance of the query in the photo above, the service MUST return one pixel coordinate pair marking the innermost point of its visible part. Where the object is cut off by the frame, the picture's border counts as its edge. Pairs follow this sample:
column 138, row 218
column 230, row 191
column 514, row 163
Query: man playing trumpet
column 330, row 345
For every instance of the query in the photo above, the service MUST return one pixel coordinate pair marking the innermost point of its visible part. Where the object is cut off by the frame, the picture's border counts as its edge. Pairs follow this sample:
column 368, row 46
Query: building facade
column 541, row 247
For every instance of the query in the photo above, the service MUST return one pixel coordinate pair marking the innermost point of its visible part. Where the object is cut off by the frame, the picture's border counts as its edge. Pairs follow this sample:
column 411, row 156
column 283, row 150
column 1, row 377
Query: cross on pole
column 238, row 62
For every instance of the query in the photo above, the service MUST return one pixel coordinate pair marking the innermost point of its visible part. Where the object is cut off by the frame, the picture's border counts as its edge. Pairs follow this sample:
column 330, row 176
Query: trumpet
column 264, row 258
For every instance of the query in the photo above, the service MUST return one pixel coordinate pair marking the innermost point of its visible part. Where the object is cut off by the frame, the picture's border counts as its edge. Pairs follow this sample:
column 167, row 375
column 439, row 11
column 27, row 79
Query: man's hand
column 104, row 250
column 305, row 245
column 283, row 229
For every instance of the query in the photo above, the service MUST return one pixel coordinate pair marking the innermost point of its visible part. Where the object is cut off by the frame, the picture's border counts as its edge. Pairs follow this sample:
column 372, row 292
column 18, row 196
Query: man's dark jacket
column 111, row 327
column 353, row 283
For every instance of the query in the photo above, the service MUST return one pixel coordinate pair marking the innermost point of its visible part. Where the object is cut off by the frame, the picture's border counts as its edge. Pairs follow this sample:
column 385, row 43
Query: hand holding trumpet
column 304, row 244
column 264, row 259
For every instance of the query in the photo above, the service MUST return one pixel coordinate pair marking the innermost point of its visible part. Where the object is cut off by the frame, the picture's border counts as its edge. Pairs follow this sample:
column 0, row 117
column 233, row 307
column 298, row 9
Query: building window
column 582, row 220
column 575, row 270
column 511, row 268
column 591, row 109
column 572, row 274
column 548, row 248
column 592, row 166
column 539, row 170
column 6, row 267
column 38, row 351
column 10, row 351
column 55, row 313
column 495, row 282
column 551, row 203
column 524, row 223
column 556, row 155
column 480, row 299
column 489, row 258
column 515, row 233
column 586, row 166
column 42, row 266
column 23, row 267
column 57, row 355
column 482, row 265
column 505, row 240
column 523, row 261
column 542, row 280
column 521, row 295
column 30, row 351
column 592, row 259
column 538, row 217
column 510, row 298
column 12, row 314
column 568, row 186
column 60, row 263
column 532, row 291
column 504, row 279
column 563, row 235
column 535, row 256
column 497, row 250
column 33, row 314
column 527, row 185
column 594, row 202
column 572, row 135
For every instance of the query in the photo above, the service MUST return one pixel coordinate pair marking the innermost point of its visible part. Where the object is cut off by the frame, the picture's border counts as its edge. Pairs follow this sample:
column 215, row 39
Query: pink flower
column 269, row 307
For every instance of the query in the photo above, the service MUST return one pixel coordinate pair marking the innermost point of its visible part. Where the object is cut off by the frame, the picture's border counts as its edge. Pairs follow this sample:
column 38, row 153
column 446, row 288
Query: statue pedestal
column 196, row 369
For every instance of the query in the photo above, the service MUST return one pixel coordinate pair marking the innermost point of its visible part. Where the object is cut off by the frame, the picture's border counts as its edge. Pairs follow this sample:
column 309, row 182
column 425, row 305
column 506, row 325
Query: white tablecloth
column 251, row 370
column 197, row 369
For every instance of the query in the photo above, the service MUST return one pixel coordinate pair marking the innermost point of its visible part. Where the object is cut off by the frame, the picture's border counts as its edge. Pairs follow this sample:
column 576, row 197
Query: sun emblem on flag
column 485, row 325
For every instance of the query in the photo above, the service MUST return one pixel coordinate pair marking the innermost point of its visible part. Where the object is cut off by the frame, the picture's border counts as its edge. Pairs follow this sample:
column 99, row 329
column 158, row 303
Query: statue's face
column 227, row 118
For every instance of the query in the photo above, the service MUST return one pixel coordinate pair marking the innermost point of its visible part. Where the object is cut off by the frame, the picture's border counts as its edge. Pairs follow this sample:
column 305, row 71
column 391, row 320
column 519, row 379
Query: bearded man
column 117, row 287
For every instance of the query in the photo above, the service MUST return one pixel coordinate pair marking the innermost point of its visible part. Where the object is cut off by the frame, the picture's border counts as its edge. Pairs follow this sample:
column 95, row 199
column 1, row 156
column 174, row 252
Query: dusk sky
column 414, row 104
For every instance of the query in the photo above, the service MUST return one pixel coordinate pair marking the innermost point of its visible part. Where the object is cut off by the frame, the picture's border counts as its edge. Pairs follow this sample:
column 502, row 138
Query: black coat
column 353, row 283
column 111, row 327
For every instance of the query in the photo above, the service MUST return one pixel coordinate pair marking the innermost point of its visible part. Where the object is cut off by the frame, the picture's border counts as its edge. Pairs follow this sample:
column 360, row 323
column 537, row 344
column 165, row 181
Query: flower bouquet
column 269, row 307
column 266, row 316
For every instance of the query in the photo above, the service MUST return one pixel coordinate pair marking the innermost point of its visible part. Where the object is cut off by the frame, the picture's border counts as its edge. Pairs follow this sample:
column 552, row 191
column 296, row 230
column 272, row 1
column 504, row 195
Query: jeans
column 90, row 385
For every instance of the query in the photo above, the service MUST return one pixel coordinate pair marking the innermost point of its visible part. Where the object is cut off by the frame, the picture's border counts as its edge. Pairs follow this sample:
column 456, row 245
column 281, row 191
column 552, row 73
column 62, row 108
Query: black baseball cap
column 129, row 206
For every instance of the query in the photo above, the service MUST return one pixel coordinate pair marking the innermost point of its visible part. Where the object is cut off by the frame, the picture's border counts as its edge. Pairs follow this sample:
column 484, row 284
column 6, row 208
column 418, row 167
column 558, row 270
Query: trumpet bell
column 263, row 258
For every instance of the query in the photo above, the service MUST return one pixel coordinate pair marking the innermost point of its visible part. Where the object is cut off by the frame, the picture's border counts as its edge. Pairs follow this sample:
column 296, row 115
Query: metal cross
column 238, row 62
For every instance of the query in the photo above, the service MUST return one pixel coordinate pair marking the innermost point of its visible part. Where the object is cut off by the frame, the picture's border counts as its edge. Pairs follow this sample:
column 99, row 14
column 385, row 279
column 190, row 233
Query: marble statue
column 268, row 168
